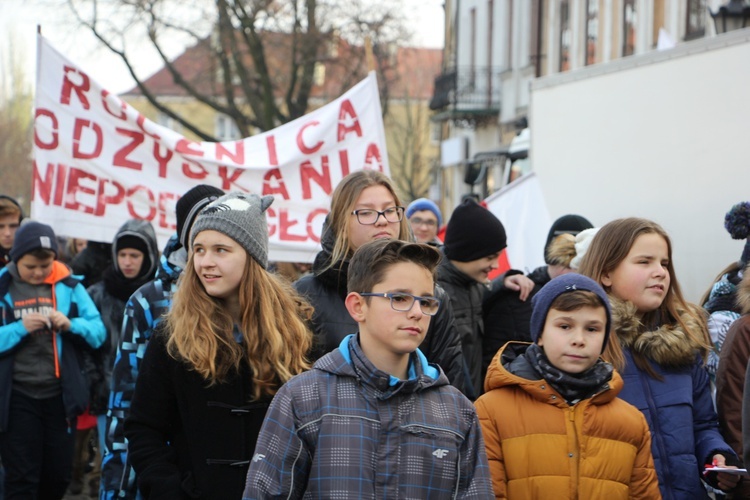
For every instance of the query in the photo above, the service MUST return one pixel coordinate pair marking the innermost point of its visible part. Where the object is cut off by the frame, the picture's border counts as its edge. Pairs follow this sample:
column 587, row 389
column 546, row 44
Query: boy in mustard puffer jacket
column 551, row 419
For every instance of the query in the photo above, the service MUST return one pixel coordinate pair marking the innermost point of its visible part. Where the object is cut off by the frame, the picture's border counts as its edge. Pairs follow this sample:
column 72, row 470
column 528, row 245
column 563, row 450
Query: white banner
column 98, row 162
column 521, row 208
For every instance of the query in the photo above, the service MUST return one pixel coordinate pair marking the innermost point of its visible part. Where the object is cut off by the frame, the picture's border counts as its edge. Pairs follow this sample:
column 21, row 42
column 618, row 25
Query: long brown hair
column 273, row 324
column 344, row 199
column 609, row 247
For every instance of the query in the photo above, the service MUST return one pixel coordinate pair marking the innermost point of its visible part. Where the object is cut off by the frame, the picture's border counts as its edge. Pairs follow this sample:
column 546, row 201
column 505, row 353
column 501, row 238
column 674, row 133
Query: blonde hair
column 561, row 250
column 273, row 325
column 608, row 249
column 344, row 199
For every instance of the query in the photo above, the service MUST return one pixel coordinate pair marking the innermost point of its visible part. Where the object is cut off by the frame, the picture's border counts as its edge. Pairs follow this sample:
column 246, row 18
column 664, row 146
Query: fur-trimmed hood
column 743, row 293
column 668, row 345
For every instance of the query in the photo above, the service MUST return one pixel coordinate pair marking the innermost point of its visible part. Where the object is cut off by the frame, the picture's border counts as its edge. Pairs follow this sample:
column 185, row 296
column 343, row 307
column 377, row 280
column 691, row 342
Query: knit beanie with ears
column 473, row 232
column 242, row 217
column 31, row 236
column 190, row 204
column 570, row 224
column 565, row 283
column 421, row 204
column 737, row 223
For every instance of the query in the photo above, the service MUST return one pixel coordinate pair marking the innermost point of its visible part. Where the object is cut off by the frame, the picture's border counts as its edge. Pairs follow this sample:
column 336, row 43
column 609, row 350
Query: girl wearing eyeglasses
column 365, row 207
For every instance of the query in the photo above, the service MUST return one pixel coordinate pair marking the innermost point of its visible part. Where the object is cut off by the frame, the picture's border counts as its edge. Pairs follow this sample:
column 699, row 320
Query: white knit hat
column 583, row 240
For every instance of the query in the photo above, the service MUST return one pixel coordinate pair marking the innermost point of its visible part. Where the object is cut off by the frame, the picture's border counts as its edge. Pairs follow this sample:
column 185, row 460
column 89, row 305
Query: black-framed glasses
column 403, row 302
column 416, row 221
column 368, row 216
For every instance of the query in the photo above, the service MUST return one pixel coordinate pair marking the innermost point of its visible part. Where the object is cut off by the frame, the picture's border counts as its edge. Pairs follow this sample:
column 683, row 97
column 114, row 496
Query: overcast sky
column 19, row 18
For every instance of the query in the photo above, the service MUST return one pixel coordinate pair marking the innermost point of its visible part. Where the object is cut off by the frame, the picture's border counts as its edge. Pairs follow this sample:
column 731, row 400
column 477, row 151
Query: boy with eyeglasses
column 373, row 419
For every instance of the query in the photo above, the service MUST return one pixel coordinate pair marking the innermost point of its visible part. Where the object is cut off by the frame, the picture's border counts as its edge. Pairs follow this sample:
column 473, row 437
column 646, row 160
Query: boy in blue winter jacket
column 46, row 320
column 373, row 419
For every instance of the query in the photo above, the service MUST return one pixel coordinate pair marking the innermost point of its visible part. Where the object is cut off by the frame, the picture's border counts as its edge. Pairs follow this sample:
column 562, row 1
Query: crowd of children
column 212, row 376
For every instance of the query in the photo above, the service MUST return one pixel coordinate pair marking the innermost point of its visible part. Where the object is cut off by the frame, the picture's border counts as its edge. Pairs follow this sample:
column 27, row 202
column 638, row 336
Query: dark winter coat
column 730, row 378
column 325, row 289
column 679, row 410
column 187, row 439
column 143, row 314
column 466, row 294
column 112, row 310
column 348, row 430
column 86, row 332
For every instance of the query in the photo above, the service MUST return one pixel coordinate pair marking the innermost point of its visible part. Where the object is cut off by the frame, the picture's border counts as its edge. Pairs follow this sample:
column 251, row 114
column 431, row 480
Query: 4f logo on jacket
column 440, row 453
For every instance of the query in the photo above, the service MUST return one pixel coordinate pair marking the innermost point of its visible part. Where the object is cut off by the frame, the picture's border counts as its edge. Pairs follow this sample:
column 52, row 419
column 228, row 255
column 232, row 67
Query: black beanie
column 473, row 232
column 32, row 236
column 190, row 204
column 131, row 241
column 570, row 224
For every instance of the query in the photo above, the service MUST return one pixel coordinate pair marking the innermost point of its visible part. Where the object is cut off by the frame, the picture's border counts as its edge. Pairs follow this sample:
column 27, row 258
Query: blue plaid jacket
column 347, row 430
column 143, row 313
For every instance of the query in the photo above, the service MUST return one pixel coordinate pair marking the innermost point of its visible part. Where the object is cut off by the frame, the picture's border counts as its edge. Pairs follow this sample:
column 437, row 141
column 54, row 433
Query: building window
column 695, row 26
column 225, row 129
column 629, row 26
column 592, row 30
column 565, row 35
column 165, row 120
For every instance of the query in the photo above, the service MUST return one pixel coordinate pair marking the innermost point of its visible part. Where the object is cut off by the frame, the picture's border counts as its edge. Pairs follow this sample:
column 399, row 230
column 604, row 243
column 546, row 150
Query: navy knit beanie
column 190, row 204
column 569, row 282
column 424, row 204
column 473, row 232
column 31, row 236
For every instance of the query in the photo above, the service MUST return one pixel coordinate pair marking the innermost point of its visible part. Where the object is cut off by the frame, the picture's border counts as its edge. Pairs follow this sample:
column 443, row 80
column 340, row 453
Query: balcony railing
column 468, row 90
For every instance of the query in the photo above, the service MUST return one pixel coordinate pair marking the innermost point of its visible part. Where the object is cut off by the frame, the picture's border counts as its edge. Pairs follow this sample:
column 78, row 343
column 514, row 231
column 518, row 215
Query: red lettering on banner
column 60, row 184
column 228, row 179
column 285, row 226
column 190, row 173
column 273, row 158
column 140, row 121
column 238, row 157
column 75, row 178
column 80, row 87
column 186, row 147
column 274, row 174
column 301, row 143
column 151, row 203
column 347, row 113
column 43, row 186
column 103, row 199
column 163, row 198
column 162, row 160
column 78, row 129
column 322, row 178
column 344, row 161
column 310, row 228
column 121, row 156
column 373, row 155
column 105, row 103
column 55, row 138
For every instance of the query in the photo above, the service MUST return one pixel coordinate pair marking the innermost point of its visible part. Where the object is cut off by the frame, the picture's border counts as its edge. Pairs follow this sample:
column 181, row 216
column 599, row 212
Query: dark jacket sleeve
column 443, row 345
column 506, row 318
column 149, row 427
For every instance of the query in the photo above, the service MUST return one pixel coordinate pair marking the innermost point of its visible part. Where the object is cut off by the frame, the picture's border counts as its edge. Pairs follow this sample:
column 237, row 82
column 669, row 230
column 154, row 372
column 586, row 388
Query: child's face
column 573, row 340
column 479, row 269
column 388, row 333
column 642, row 277
column 8, row 227
column 34, row 270
column 219, row 262
column 130, row 261
column 372, row 198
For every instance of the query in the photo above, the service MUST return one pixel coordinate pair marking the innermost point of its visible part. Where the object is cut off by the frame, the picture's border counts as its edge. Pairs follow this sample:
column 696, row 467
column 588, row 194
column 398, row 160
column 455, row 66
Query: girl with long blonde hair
column 365, row 207
column 234, row 335
column 661, row 346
